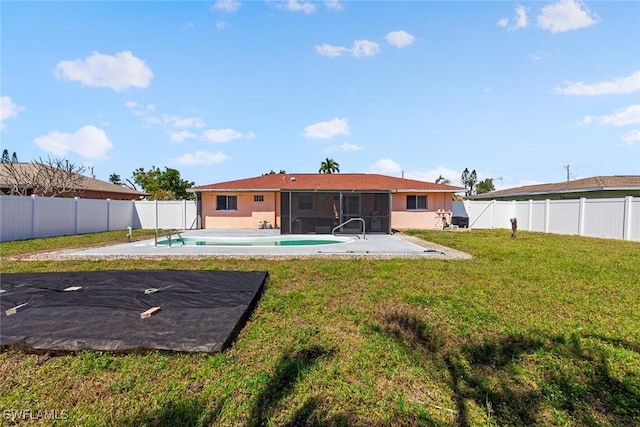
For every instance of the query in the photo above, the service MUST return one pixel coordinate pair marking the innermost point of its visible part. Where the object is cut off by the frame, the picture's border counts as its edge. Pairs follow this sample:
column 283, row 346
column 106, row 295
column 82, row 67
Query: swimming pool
column 286, row 240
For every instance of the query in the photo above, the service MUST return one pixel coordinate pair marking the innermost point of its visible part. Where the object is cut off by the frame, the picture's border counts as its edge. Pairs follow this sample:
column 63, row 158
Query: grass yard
column 539, row 330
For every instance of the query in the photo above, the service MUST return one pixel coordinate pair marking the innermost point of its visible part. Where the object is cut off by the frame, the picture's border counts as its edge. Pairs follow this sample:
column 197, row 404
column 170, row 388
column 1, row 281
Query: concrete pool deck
column 373, row 246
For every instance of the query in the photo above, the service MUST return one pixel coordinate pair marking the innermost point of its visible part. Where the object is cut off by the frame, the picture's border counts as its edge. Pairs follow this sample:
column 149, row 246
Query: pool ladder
column 167, row 236
column 364, row 232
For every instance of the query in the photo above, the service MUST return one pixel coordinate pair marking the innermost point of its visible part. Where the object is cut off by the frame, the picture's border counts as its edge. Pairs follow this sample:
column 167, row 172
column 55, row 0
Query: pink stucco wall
column 401, row 218
column 250, row 214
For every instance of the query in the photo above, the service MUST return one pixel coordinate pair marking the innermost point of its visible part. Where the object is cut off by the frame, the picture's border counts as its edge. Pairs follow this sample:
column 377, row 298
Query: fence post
column 581, row 210
column 530, row 215
column 155, row 206
column 75, row 214
column 33, row 216
column 626, row 228
column 108, row 214
column 547, row 204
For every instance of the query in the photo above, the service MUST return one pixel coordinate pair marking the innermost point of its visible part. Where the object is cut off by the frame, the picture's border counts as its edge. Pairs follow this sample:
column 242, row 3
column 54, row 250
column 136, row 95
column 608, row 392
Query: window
column 258, row 198
column 305, row 203
column 415, row 203
column 227, row 203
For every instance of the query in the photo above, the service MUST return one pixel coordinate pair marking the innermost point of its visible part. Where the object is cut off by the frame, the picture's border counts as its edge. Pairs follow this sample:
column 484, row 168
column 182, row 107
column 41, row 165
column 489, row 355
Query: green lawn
column 543, row 329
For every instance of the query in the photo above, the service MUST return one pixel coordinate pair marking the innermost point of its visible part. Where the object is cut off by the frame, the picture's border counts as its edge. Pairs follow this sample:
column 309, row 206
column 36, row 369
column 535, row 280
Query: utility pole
column 567, row 168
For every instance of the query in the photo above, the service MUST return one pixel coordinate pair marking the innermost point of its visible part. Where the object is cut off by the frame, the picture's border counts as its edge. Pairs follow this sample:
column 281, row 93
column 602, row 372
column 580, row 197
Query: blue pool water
column 287, row 240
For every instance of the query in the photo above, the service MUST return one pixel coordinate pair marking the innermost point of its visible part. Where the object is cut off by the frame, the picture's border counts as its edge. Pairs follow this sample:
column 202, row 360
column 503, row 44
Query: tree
column 272, row 172
column 114, row 178
column 469, row 180
column 44, row 177
column 485, row 186
column 442, row 180
column 163, row 185
column 329, row 166
column 5, row 157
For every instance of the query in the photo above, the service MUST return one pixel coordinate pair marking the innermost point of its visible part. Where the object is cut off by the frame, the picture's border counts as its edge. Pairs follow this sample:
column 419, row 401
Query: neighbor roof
column 87, row 183
column 327, row 182
column 596, row 183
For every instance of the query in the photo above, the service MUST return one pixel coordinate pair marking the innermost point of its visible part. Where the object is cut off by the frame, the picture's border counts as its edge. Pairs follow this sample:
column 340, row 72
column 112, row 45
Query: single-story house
column 301, row 203
column 596, row 187
column 21, row 178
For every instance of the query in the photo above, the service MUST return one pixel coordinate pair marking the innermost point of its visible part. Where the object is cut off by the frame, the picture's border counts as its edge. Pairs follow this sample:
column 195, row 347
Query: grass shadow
column 183, row 412
column 289, row 370
column 576, row 377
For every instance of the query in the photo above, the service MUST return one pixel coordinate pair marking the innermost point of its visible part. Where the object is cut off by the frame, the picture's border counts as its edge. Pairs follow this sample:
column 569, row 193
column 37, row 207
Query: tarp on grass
column 199, row 311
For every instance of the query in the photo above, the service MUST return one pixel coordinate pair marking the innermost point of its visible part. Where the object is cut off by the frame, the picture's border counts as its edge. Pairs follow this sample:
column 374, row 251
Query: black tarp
column 200, row 311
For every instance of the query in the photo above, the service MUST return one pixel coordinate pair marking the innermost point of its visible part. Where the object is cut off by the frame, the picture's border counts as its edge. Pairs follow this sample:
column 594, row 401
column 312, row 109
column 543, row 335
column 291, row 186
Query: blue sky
column 223, row 90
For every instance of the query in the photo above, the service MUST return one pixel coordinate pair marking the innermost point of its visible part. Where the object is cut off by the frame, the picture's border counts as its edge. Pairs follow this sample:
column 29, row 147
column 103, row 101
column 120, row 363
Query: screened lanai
column 304, row 212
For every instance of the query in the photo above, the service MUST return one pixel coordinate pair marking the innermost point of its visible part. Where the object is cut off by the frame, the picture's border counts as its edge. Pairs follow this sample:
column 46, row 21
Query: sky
column 522, row 92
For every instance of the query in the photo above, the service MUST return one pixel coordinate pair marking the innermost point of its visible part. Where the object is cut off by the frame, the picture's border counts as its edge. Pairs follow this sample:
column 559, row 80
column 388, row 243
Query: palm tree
column 442, row 180
column 329, row 166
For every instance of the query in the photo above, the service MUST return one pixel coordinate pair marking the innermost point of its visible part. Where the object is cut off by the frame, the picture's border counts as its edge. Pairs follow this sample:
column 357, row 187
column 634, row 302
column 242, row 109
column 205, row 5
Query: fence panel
column 54, row 216
column 634, row 219
column 16, row 214
column 92, row 216
column 521, row 213
column 120, row 214
column 564, row 216
column 502, row 214
column 538, row 209
column 604, row 218
column 480, row 214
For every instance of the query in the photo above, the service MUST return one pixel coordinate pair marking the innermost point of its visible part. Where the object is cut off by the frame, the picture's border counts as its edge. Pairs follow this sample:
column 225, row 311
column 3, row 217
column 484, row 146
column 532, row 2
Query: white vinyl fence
column 617, row 218
column 32, row 217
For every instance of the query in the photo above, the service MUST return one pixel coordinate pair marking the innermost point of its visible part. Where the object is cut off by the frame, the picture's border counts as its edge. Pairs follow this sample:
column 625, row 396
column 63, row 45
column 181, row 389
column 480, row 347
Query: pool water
column 256, row 241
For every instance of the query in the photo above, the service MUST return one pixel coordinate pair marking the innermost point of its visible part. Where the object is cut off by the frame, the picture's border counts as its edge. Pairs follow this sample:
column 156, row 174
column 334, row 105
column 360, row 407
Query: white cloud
column 627, row 84
column 229, row 6
column 628, row 116
column 334, row 5
column 223, row 135
column 516, row 23
column 8, row 110
column 433, row 174
column 222, row 25
column 566, row 15
column 386, row 167
column 178, row 122
column 400, row 38
column 199, row 158
column 296, row 6
column 181, row 135
column 344, row 147
column 331, row 51
column 327, row 129
column 623, row 117
column 631, row 138
column 140, row 110
column 521, row 20
column 118, row 72
column 359, row 48
column 89, row 142
column 365, row 48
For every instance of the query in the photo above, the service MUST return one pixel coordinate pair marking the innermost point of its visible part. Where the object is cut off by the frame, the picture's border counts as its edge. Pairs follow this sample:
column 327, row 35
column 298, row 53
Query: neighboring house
column 83, row 186
column 301, row 203
column 596, row 187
